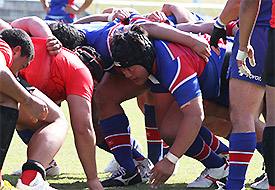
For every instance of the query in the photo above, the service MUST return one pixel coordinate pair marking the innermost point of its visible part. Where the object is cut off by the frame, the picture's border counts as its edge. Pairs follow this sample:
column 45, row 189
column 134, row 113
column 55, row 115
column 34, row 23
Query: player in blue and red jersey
column 248, row 16
column 246, row 89
column 63, row 10
column 172, row 69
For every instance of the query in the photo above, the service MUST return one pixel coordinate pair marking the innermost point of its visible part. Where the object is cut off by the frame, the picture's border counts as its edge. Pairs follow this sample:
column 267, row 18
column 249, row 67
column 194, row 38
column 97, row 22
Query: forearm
column 168, row 33
column 93, row 18
column 4, row 25
column 85, row 145
column 33, row 26
column 205, row 27
column 11, row 87
column 182, row 15
column 85, row 5
column 187, row 133
column 248, row 13
column 230, row 11
column 193, row 116
column 45, row 4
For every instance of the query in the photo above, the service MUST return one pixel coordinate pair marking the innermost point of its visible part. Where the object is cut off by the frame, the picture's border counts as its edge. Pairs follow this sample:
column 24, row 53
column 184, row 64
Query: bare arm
column 84, row 135
column 72, row 9
column 230, row 11
column 4, row 25
column 165, row 32
column 192, row 118
column 248, row 13
column 45, row 5
column 204, row 27
column 84, row 6
column 182, row 15
column 37, row 27
column 33, row 26
column 11, row 93
column 93, row 18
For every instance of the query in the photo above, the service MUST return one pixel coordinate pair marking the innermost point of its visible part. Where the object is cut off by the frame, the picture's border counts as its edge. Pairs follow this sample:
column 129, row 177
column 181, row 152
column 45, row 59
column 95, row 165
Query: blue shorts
column 259, row 41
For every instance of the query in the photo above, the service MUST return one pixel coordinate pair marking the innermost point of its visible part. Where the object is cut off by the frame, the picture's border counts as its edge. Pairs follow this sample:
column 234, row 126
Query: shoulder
column 6, row 52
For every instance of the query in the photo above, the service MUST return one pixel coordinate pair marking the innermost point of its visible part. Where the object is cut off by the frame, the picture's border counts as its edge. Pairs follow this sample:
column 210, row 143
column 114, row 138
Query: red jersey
column 272, row 21
column 7, row 52
column 58, row 76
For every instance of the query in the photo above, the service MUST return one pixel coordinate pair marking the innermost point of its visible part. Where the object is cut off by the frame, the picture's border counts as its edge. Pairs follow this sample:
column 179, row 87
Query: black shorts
column 8, row 120
column 269, row 68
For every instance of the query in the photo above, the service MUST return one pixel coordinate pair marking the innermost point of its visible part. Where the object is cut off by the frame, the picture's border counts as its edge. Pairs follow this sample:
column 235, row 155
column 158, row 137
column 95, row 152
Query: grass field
column 73, row 177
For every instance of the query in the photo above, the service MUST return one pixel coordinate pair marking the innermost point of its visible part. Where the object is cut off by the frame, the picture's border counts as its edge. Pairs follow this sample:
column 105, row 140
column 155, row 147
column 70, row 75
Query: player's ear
column 16, row 51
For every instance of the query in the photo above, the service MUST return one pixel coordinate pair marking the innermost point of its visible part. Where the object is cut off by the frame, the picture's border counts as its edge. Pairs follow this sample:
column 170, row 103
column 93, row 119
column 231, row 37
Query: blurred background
column 13, row 9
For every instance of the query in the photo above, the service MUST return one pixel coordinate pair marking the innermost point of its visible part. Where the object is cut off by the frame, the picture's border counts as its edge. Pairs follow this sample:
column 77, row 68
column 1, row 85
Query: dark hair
column 17, row 37
column 133, row 48
column 92, row 60
column 68, row 35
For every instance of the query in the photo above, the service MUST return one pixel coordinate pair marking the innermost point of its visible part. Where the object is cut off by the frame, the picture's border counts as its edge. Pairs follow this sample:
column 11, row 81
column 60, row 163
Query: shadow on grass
column 70, row 181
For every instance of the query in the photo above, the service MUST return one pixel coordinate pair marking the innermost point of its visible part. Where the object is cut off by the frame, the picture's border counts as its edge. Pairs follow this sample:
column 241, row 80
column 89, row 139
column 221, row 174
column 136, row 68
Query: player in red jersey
column 34, row 103
column 66, row 77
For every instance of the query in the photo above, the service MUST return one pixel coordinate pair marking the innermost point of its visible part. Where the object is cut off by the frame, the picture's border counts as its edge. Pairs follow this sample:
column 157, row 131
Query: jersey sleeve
column 181, row 80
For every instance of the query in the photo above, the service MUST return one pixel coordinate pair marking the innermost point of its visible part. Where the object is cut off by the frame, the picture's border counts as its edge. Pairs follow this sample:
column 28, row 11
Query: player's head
column 92, row 60
column 68, row 35
column 133, row 48
column 16, row 37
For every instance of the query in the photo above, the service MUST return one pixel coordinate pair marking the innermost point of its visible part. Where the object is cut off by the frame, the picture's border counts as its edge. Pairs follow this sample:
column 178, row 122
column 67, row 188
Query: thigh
column 113, row 90
column 245, row 104
column 168, row 115
column 117, row 88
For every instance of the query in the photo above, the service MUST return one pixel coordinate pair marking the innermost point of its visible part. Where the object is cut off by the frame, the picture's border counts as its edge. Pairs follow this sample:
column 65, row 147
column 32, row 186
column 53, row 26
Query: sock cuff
column 243, row 141
column 34, row 165
column 116, row 123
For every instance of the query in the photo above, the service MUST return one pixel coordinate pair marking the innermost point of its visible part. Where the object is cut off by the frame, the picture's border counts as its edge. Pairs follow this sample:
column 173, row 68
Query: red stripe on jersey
column 152, row 134
column 240, row 156
column 111, row 33
column 139, row 18
column 165, row 145
column 188, row 60
column 120, row 139
column 205, row 152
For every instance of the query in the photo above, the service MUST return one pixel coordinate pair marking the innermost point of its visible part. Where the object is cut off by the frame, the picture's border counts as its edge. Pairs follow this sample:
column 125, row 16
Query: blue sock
column 154, row 141
column 212, row 141
column 25, row 135
column 242, row 146
column 200, row 151
column 117, row 135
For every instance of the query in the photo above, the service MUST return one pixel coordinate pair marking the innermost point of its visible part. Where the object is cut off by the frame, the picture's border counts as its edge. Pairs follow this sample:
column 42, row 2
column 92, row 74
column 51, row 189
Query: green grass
column 73, row 177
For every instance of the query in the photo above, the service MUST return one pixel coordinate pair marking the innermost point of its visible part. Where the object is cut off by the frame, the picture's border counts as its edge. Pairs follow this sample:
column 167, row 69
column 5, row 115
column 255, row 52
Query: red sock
column 28, row 176
column 0, row 175
column 271, row 187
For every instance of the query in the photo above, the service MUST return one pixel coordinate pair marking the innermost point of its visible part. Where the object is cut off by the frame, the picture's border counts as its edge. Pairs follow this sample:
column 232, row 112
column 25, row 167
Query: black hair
column 17, row 37
column 92, row 60
column 68, row 35
column 133, row 48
